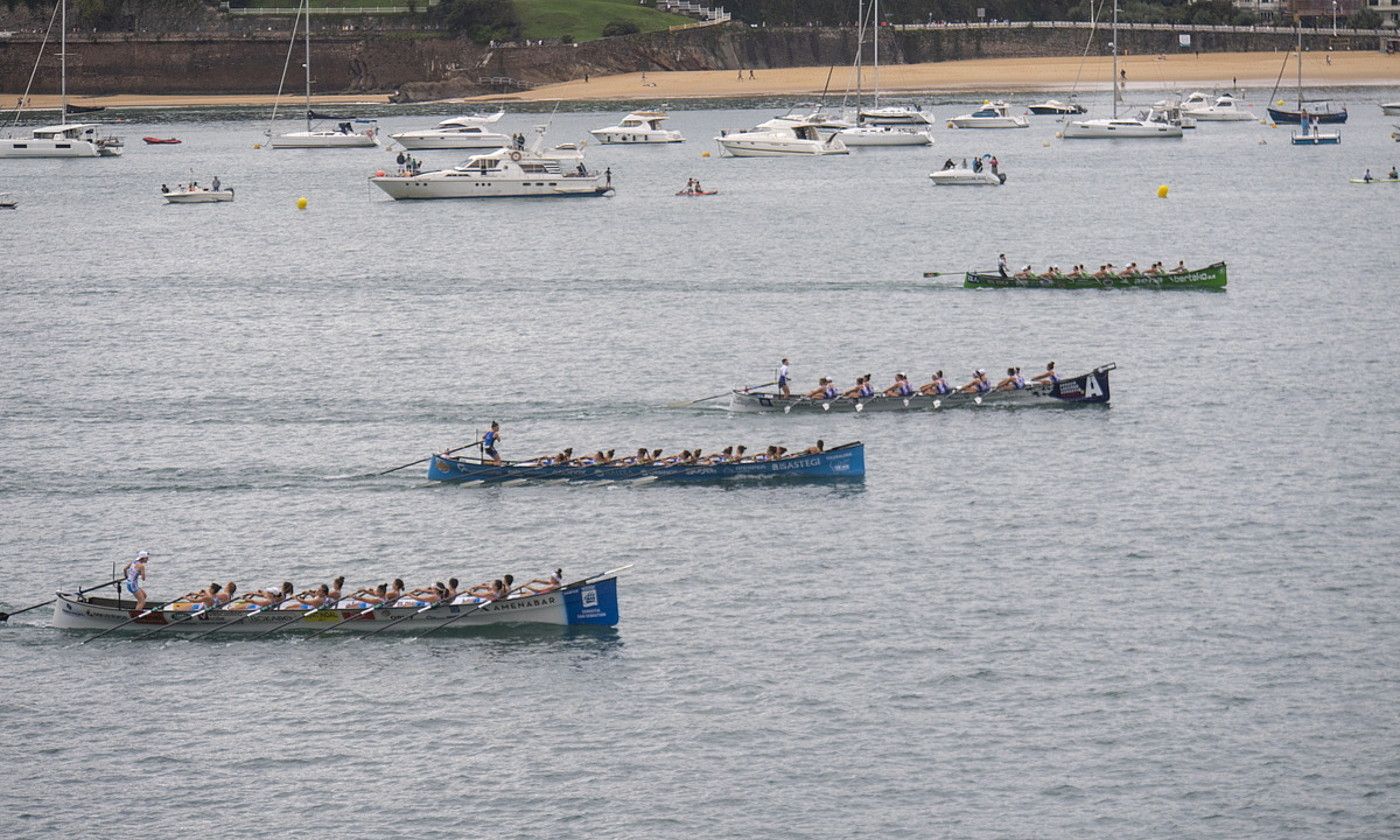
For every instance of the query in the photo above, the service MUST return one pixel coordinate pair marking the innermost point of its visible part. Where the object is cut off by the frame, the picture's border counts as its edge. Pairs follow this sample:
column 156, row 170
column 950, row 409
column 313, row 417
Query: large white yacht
column 894, row 115
column 465, row 132
column 65, row 140
column 62, row 141
column 504, row 173
column 1224, row 109
column 780, row 138
column 990, row 115
column 639, row 127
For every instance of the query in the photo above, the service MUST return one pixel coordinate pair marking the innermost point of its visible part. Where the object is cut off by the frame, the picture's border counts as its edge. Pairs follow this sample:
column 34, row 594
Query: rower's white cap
column 143, row 555
column 980, row 372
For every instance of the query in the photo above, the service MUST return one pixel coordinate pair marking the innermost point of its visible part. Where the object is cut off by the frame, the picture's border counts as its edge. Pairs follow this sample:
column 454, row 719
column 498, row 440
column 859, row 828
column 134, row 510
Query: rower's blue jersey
column 489, row 441
column 983, row 386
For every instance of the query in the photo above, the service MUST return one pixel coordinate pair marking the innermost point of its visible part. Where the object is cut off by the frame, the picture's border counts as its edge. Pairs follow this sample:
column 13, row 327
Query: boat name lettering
column 798, row 464
column 1091, row 387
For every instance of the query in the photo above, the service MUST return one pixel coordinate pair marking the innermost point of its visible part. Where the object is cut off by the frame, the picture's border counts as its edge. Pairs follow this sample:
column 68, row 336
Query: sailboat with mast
column 898, row 125
column 1310, row 114
column 1150, row 122
column 64, row 140
column 344, row 136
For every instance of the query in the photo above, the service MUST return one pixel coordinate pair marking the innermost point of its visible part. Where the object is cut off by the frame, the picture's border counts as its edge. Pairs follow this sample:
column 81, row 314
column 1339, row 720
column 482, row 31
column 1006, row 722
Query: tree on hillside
column 480, row 20
column 613, row 28
column 1365, row 18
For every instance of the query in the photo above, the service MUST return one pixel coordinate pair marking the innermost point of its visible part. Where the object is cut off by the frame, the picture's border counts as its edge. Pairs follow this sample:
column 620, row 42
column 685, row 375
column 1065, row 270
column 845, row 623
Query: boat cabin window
column 806, row 132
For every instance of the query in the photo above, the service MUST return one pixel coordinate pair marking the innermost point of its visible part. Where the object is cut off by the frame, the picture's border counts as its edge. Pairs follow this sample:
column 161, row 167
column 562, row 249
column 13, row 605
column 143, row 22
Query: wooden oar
column 364, row 612
column 172, row 623
column 942, row 273
column 246, row 615
column 573, row 585
column 289, row 622
column 156, row 608
column 434, row 606
column 422, row 460
column 5, row 616
column 717, row 396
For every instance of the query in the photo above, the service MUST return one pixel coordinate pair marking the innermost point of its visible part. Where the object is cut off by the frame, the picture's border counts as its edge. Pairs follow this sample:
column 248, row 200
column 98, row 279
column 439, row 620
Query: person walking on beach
column 751, row 70
column 741, row 74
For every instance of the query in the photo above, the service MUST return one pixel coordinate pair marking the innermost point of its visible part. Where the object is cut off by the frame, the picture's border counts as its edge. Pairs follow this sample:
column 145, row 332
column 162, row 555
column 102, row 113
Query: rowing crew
column 1107, row 271
column 330, row 596
column 936, row 386
column 687, row 457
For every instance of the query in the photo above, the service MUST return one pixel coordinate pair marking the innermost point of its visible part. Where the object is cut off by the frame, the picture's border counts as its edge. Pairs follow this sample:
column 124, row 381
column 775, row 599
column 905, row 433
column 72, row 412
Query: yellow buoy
column 257, row 145
column 704, row 154
column 1162, row 191
column 1280, row 102
column 301, row 203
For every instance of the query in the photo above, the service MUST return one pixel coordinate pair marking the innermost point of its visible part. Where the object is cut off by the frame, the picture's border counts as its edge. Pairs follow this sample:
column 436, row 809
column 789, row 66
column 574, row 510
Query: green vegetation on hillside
column 585, row 19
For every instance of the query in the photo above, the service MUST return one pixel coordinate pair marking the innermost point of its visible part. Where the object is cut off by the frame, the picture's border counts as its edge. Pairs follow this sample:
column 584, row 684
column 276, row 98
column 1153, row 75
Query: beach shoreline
column 1146, row 74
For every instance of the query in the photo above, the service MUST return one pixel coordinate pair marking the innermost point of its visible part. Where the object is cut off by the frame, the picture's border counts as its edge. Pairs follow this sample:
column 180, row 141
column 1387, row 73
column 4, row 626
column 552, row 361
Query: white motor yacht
column 884, row 135
column 895, row 115
column 639, row 127
column 504, row 173
column 62, row 141
column 990, row 115
column 1054, row 107
column 1391, row 109
column 770, row 140
column 464, row 132
column 1149, row 123
column 1223, row 109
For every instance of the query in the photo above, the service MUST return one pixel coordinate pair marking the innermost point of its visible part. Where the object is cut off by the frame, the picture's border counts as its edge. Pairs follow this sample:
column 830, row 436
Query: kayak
column 695, row 194
column 161, row 141
column 1211, row 277
column 1374, row 181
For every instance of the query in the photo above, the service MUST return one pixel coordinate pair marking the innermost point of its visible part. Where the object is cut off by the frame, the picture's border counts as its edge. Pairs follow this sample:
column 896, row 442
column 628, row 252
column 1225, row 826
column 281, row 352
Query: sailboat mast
column 63, row 62
column 1299, row 27
column 1115, row 59
column 307, row 4
column 860, row 49
column 877, row 53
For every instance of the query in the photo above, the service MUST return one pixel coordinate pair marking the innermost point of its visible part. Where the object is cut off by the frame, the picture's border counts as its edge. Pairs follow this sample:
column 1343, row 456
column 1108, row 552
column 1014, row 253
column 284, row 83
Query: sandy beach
column 989, row 75
column 1147, row 73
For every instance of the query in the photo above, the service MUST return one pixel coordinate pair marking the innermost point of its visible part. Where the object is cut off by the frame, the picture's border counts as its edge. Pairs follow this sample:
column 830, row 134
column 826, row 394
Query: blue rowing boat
column 845, row 462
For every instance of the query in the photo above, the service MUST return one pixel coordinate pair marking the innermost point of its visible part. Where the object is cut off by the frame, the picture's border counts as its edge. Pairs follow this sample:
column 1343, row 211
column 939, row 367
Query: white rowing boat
column 591, row 601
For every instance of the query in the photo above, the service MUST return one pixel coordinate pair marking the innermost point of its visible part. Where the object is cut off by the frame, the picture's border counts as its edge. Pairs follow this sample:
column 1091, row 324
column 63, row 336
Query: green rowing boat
column 1210, row 277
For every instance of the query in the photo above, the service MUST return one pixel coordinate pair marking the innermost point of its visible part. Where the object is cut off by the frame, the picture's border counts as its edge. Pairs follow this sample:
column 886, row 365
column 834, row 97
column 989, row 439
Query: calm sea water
column 1175, row 617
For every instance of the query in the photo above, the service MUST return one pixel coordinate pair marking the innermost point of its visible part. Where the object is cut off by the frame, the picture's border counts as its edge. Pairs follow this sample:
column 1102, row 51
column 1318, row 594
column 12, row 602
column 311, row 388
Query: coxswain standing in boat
column 488, row 444
column 135, row 574
column 1001, row 263
column 783, row 379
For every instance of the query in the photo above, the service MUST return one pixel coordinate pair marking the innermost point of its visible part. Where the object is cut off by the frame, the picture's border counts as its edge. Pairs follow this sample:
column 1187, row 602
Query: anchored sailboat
column 345, row 136
column 1151, row 122
column 65, row 140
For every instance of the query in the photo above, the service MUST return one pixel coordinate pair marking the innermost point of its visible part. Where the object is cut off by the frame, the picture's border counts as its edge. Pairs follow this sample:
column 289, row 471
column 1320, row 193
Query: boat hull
column 791, row 148
column 1375, row 181
column 323, row 140
column 967, row 178
column 1119, row 130
column 465, row 185
column 1391, row 109
column 1211, row 277
column 200, row 197
column 1057, row 110
column 1321, row 138
column 1088, row 389
column 842, row 462
column 989, row 122
column 884, row 136
column 415, row 141
column 623, row 137
column 43, row 148
column 1223, row 115
column 1285, row 117
column 592, row 604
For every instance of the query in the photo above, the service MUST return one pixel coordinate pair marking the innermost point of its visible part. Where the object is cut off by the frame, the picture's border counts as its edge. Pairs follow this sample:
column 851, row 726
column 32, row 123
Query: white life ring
column 515, row 156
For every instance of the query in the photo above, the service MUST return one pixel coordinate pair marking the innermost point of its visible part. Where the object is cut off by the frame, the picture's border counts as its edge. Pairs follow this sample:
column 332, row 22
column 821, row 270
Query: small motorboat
column 1391, row 109
column 960, row 177
column 198, row 195
column 697, row 193
column 1224, row 109
column 161, row 141
column 8, row 202
column 885, row 135
column 1054, row 107
column 639, row 127
column 990, row 115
